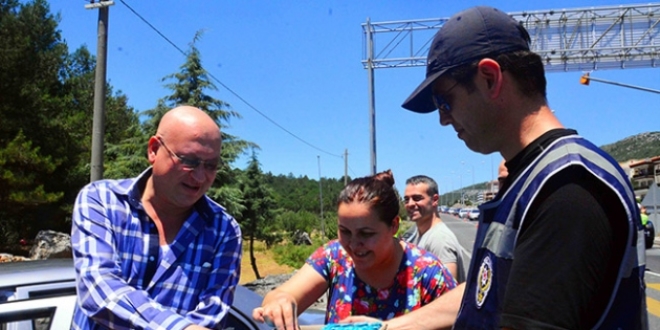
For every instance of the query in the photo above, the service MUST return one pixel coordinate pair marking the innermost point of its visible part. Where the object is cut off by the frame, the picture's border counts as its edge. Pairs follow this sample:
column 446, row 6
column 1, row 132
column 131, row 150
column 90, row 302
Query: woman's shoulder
column 331, row 250
column 419, row 257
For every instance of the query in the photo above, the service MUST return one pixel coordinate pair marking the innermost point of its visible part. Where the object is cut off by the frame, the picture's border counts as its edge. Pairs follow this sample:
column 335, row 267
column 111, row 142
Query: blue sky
column 299, row 62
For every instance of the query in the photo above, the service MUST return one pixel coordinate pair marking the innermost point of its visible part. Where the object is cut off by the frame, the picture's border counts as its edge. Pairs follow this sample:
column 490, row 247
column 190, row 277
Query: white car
column 473, row 214
column 462, row 213
column 41, row 295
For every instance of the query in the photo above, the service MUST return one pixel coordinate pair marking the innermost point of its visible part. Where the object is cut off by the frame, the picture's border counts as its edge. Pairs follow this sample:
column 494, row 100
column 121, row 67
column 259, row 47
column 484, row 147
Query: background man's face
column 419, row 204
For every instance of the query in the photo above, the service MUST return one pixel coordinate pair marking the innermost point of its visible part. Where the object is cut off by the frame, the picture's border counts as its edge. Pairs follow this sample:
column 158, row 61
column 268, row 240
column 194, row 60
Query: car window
column 36, row 318
column 37, row 314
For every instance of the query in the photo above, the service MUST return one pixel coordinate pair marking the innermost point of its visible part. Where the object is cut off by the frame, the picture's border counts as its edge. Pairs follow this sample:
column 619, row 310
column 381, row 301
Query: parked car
column 41, row 295
column 473, row 214
column 462, row 213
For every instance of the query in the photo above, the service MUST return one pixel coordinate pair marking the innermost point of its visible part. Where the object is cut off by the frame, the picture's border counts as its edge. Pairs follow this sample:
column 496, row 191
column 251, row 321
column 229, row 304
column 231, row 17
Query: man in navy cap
column 560, row 246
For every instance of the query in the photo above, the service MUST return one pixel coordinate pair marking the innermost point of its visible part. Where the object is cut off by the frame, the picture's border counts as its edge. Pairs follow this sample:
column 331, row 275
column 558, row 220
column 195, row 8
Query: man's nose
column 198, row 173
column 445, row 118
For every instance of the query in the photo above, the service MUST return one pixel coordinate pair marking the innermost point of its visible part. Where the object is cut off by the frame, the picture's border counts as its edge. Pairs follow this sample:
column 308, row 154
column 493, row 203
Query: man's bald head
column 188, row 119
column 184, row 155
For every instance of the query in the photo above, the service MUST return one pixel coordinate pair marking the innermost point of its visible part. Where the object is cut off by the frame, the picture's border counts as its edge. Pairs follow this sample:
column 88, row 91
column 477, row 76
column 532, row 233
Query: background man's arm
column 453, row 269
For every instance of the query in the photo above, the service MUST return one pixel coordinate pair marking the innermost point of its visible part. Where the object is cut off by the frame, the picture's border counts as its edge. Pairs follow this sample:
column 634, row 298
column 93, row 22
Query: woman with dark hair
column 367, row 270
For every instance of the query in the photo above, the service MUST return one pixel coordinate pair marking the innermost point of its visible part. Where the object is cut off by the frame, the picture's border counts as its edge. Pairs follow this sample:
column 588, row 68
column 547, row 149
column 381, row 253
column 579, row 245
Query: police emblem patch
column 484, row 281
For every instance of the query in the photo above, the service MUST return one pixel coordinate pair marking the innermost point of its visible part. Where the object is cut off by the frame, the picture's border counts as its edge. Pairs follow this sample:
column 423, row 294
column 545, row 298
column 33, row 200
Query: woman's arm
column 282, row 305
column 439, row 314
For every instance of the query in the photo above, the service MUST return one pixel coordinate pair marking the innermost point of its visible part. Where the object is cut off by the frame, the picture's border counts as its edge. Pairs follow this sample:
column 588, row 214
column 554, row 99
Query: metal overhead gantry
column 579, row 39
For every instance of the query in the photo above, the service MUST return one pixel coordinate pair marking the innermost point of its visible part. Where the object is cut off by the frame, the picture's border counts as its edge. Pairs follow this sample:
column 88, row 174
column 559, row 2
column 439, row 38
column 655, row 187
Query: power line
column 225, row 86
column 354, row 174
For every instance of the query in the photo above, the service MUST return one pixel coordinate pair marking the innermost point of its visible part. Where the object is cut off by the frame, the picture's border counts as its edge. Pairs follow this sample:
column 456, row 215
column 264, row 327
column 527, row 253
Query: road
column 465, row 232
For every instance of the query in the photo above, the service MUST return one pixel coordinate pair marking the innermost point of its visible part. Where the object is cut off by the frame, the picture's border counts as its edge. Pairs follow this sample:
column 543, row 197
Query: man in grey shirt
column 430, row 233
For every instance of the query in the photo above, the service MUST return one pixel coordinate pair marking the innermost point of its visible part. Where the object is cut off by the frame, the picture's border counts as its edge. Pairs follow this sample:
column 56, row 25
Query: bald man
column 154, row 252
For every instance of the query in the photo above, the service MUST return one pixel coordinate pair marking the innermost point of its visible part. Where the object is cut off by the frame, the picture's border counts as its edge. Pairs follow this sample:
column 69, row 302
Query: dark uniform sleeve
column 567, row 255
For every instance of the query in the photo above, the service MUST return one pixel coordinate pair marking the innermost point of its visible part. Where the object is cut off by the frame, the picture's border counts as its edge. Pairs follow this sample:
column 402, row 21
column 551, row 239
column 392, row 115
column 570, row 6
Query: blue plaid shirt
column 113, row 239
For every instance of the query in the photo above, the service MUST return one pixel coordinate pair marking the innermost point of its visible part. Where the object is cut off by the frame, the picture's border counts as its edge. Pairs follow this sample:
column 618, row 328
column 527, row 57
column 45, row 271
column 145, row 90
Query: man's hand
column 196, row 327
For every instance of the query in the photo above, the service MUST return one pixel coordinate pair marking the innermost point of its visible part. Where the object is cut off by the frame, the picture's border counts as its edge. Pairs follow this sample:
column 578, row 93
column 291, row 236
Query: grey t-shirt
column 442, row 242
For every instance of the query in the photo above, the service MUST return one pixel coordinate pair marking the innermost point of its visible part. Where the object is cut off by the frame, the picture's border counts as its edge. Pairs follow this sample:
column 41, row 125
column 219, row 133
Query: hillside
column 638, row 146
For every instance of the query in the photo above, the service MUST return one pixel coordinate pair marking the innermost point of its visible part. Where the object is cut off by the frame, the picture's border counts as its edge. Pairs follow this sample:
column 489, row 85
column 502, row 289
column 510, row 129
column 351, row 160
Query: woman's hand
column 281, row 313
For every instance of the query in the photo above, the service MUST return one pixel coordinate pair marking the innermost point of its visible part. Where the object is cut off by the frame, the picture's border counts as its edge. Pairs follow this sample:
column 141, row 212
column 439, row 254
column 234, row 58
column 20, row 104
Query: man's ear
column 152, row 147
column 435, row 199
column 491, row 74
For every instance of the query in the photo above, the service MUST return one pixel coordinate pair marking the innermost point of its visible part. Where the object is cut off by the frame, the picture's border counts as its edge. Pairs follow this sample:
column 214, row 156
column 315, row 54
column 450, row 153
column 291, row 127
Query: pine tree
column 45, row 111
column 190, row 86
column 24, row 189
column 256, row 220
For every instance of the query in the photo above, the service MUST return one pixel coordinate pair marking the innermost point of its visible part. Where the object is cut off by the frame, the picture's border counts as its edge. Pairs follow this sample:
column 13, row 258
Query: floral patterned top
column 421, row 279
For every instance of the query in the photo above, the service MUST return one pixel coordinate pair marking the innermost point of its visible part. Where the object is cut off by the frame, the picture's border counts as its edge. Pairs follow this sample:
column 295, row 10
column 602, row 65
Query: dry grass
column 265, row 263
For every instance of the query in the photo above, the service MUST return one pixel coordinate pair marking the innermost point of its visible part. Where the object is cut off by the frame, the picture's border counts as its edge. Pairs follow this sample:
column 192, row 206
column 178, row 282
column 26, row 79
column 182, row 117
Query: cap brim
column 421, row 100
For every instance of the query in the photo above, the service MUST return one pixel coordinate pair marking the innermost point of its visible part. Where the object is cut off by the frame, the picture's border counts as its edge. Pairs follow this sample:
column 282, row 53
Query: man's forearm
column 453, row 269
column 439, row 314
column 195, row 327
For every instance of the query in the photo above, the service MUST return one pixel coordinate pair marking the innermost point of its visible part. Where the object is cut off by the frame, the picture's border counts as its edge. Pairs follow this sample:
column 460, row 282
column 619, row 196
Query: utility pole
column 98, row 125
column 318, row 157
column 461, row 178
column 372, row 95
column 345, row 167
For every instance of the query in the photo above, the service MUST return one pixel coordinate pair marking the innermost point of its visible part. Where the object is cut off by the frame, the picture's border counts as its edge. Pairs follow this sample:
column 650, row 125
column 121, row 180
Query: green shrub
column 295, row 255
column 403, row 227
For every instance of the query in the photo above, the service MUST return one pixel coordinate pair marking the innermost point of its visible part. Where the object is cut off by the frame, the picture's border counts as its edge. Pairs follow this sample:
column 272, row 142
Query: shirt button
column 151, row 258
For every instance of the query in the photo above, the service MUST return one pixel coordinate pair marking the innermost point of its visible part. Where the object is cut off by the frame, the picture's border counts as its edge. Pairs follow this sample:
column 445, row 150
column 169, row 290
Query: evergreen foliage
column 46, row 107
column 255, row 220
column 191, row 86
column 294, row 255
column 46, row 111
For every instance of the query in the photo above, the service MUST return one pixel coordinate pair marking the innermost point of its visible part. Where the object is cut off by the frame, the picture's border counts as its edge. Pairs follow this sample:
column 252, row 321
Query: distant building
column 492, row 188
column 626, row 166
column 643, row 173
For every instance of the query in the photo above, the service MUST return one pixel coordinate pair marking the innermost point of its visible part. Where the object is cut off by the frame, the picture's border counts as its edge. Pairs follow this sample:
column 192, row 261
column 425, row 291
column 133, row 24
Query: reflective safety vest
column 501, row 219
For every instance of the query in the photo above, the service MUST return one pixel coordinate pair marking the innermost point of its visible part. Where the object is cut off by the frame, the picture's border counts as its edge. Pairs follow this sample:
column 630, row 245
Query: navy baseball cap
column 467, row 36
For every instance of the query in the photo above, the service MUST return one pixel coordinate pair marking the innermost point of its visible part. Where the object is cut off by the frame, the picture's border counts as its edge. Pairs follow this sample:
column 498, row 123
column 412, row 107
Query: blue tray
column 353, row 326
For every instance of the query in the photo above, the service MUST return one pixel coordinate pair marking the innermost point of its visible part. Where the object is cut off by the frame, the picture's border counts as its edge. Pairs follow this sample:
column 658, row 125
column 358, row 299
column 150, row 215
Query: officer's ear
column 490, row 75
